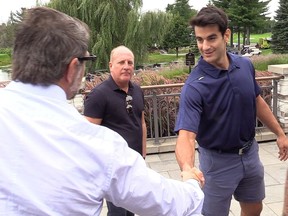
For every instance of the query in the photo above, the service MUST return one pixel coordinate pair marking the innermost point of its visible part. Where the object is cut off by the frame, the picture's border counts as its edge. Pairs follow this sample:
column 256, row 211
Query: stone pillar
column 285, row 207
column 282, row 109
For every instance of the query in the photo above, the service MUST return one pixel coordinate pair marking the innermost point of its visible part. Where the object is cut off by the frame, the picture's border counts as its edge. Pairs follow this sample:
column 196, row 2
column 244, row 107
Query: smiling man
column 219, row 105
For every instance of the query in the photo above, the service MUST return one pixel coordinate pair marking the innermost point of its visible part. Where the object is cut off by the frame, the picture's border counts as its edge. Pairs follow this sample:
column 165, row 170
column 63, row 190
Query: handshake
column 193, row 173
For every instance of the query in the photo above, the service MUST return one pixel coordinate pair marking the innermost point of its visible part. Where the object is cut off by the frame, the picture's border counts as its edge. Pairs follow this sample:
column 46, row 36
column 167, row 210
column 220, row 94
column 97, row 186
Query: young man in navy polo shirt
column 219, row 105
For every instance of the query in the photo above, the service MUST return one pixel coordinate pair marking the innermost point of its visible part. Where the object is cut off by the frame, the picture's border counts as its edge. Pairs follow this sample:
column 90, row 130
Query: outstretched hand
column 193, row 173
column 282, row 143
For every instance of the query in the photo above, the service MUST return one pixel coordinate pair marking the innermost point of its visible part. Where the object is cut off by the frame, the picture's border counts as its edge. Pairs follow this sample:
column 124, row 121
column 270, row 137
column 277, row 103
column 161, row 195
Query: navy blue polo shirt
column 220, row 105
column 108, row 102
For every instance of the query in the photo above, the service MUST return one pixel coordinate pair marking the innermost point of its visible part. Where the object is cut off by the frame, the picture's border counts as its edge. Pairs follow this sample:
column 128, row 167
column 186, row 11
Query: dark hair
column 211, row 15
column 45, row 43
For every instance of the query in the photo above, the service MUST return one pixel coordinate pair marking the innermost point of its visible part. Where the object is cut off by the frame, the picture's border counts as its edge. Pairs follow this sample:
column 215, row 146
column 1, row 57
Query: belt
column 239, row 151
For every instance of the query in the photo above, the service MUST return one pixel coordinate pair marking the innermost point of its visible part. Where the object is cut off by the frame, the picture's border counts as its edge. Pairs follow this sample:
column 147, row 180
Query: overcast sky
column 13, row 5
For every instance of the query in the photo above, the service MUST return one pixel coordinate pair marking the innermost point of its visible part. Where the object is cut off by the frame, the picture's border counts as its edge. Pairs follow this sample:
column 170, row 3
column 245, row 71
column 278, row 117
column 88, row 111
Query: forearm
column 185, row 150
column 137, row 184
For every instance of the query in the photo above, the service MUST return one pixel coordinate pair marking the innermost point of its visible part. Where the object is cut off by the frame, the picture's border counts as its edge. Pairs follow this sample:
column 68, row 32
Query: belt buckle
column 241, row 152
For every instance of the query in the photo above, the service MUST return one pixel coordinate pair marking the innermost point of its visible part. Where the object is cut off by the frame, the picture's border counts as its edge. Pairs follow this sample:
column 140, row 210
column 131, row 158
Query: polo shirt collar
column 114, row 86
column 214, row 72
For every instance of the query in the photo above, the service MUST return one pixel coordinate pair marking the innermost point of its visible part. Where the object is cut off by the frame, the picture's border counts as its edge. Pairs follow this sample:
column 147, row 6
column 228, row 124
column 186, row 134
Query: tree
column 181, row 8
column 193, row 45
column 178, row 34
column 244, row 16
column 279, row 42
column 158, row 22
column 8, row 30
column 112, row 23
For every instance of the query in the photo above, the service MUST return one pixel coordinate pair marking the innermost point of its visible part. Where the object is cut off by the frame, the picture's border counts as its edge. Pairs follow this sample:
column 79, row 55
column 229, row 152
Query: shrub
column 261, row 62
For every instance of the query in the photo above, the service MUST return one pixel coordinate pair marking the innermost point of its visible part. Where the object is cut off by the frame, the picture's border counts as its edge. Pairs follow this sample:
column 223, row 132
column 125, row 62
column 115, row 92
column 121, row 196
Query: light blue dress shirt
column 54, row 162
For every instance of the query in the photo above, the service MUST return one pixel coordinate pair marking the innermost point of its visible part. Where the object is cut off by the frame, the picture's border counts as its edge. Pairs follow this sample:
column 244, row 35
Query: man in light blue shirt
column 53, row 160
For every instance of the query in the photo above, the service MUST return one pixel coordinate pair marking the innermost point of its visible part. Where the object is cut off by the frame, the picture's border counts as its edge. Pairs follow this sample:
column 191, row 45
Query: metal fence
column 162, row 103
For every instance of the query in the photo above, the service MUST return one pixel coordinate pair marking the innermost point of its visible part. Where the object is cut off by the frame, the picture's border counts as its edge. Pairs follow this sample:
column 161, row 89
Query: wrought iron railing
column 162, row 102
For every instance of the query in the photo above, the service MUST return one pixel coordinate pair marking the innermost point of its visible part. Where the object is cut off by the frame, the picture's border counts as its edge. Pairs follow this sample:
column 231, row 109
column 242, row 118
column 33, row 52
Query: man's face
column 122, row 66
column 211, row 44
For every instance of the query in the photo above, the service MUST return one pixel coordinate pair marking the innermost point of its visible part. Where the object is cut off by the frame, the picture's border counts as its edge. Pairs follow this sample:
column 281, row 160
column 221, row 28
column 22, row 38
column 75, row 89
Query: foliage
column 193, row 44
column 177, row 35
column 112, row 23
column 7, row 51
column 245, row 16
column 4, row 59
column 115, row 23
column 254, row 38
column 181, row 8
column 7, row 31
column 176, row 73
column 158, row 23
column 279, row 42
column 158, row 58
column 261, row 62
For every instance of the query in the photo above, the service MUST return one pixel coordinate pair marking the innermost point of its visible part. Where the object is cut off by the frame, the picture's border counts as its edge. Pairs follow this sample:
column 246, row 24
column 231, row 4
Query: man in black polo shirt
column 219, row 104
column 118, row 104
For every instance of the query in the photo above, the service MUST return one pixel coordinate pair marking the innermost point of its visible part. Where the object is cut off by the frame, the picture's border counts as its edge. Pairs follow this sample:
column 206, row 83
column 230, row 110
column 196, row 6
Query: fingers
column 193, row 173
column 282, row 142
column 283, row 154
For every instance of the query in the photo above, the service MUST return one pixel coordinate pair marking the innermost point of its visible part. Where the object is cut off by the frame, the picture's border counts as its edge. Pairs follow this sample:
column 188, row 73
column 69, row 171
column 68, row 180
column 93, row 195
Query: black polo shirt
column 108, row 102
column 220, row 105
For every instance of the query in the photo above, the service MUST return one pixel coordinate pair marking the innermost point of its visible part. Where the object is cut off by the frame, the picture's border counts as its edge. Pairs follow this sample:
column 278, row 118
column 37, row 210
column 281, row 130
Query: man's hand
column 193, row 173
column 282, row 143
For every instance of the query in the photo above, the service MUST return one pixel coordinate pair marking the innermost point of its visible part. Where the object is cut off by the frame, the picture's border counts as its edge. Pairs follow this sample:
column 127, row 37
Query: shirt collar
column 114, row 86
column 51, row 91
column 216, row 72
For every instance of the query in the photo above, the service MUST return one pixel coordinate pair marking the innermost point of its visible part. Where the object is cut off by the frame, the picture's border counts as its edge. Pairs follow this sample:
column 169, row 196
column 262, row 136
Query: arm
column 144, row 136
column 133, row 183
column 94, row 120
column 185, row 153
column 266, row 116
column 185, row 149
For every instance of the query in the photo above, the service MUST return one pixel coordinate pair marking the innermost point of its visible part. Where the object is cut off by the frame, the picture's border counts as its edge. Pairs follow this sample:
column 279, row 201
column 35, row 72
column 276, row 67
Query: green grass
column 5, row 60
column 172, row 73
column 254, row 38
column 261, row 62
column 159, row 58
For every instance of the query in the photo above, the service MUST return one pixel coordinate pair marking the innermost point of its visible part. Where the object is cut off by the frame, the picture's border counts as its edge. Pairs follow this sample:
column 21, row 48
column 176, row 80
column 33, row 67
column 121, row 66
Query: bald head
column 120, row 50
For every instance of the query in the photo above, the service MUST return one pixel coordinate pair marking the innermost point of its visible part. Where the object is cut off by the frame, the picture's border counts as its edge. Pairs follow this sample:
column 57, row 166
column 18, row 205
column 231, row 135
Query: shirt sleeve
column 190, row 110
column 94, row 104
column 143, row 191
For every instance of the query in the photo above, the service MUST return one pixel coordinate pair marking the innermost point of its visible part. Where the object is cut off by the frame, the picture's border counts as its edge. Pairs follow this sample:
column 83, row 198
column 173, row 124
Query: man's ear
column 227, row 35
column 71, row 70
column 110, row 65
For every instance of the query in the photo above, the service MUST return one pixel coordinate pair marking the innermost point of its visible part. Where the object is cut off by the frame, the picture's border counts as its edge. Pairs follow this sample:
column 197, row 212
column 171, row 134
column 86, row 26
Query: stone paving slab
column 275, row 173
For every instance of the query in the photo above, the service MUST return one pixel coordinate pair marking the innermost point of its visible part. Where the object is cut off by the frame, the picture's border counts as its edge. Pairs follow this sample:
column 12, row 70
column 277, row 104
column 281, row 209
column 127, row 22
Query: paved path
column 275, row 173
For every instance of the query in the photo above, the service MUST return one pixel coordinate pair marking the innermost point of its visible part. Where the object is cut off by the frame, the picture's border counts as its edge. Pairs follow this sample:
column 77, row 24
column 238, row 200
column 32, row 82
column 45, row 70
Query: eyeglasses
column 129, row 107
column 90, row 58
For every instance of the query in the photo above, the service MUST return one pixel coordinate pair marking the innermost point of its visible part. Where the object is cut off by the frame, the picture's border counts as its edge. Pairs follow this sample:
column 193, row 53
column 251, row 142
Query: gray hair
column 45, row 43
